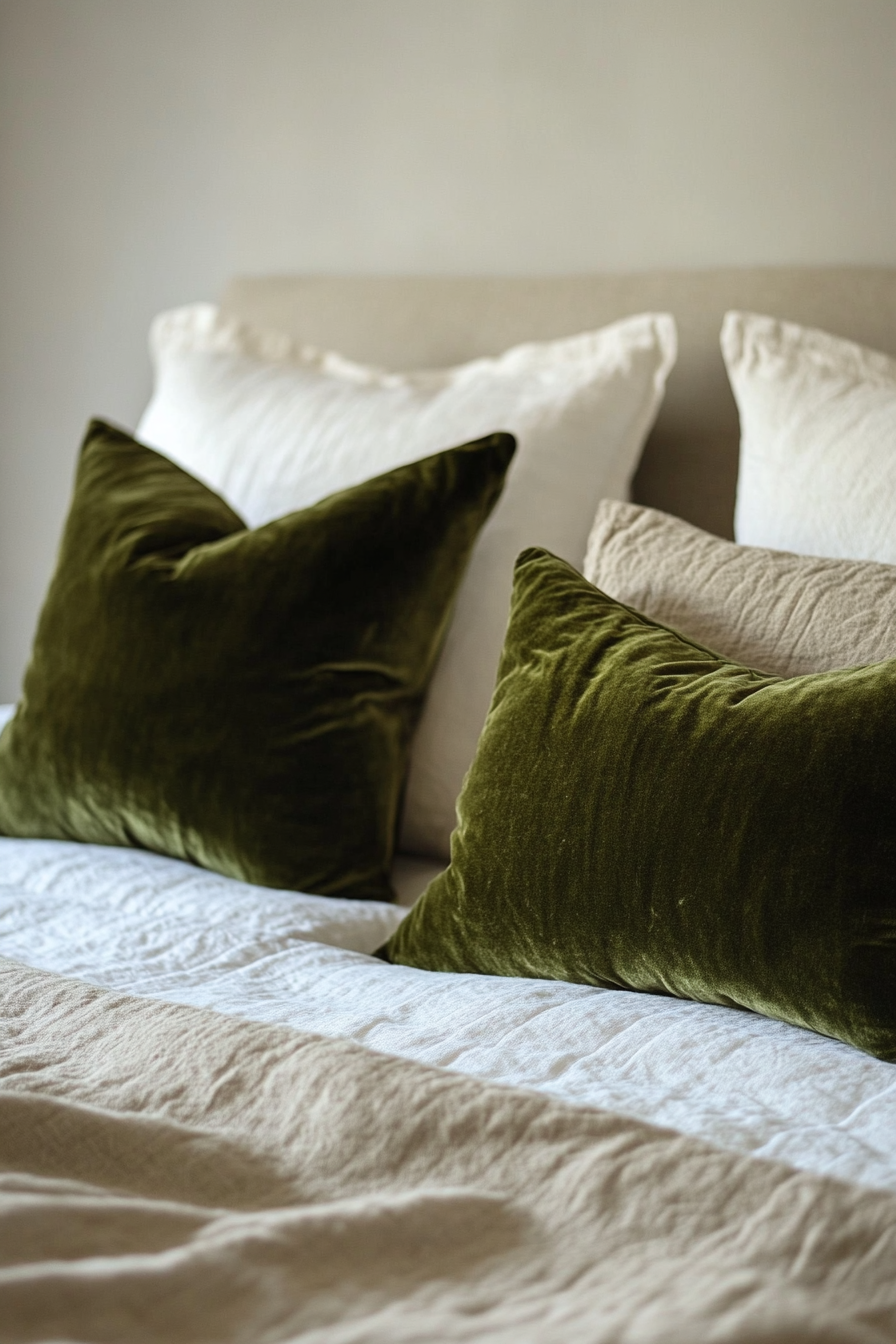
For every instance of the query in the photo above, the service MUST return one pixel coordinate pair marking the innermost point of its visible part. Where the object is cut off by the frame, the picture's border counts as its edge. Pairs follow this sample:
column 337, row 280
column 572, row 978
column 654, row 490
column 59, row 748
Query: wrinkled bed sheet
column 173, row 1176
column 140, row 923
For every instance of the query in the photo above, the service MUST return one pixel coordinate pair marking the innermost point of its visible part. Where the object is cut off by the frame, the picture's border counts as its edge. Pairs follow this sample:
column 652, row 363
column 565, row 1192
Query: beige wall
column 150, row 148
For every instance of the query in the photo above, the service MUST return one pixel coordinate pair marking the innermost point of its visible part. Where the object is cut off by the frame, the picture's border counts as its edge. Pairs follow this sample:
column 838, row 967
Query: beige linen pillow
column 781, row 613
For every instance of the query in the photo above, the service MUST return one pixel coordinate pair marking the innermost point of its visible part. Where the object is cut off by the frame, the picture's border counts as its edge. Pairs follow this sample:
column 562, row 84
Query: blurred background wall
column 151, row 148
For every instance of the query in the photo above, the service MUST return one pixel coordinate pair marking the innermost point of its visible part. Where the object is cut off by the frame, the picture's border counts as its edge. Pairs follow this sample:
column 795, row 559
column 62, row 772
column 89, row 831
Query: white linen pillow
column 818, row 440
column 274, row 426
column 772, row 610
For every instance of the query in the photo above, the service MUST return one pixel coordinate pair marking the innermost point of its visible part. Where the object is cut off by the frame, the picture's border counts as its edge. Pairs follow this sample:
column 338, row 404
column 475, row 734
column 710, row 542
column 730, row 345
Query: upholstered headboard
column 690, row 464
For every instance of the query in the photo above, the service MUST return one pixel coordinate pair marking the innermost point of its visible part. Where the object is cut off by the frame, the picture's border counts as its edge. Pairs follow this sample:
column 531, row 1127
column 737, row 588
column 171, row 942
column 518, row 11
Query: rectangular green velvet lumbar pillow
column 240, row 698
column 643, row 814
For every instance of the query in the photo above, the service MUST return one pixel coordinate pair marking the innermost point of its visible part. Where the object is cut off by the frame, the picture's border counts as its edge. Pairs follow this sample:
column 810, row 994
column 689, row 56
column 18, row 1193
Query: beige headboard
column 690, row 463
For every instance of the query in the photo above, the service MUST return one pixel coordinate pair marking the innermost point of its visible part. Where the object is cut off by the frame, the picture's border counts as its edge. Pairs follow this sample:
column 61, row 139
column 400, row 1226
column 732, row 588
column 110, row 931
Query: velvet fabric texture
column 643, row 814
column 240, row 698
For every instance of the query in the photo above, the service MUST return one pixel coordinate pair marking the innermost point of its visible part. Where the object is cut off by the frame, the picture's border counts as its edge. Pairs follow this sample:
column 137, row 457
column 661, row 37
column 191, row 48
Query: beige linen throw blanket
column 171, row 1174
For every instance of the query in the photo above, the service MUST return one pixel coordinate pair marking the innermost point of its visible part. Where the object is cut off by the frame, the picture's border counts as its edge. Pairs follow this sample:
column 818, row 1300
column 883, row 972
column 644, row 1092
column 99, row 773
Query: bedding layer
column 150, row 926
column 175, row 1175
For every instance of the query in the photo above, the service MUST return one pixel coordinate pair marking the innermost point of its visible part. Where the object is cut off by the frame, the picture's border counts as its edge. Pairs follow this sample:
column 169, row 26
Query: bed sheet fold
column 144, row 925
column 173, row 1174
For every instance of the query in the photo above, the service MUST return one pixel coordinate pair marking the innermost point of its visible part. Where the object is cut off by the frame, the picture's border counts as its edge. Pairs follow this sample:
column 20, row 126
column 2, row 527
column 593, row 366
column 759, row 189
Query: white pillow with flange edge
column 274, row 426
column 817, row 468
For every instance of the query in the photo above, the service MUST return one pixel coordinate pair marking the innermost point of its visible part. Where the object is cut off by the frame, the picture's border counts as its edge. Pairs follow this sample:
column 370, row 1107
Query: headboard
column 690, row 464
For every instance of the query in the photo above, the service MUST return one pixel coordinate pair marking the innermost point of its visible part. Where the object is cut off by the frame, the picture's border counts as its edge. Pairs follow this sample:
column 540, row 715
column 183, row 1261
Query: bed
column 224, row 1118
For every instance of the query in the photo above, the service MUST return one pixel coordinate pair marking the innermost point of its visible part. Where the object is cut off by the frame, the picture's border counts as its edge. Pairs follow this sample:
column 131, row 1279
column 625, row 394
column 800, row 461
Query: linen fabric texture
column 817, row 470
column 644, row 814
column 174, row 1176
column 784, row 613
column 240, row 698
column 273, row 425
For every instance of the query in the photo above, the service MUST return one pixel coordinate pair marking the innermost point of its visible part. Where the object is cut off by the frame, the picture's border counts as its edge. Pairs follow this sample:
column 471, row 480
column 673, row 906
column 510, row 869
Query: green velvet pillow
column 643, row 814
column 243, row 699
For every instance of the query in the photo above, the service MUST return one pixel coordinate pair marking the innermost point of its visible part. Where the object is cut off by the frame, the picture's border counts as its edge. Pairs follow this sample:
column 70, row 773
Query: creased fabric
column 170, row 1174
column 786, row 614
column 138, row 923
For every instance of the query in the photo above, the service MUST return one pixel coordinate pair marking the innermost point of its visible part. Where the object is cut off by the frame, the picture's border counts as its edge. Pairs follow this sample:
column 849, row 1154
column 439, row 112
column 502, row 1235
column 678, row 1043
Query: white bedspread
column 152, row 926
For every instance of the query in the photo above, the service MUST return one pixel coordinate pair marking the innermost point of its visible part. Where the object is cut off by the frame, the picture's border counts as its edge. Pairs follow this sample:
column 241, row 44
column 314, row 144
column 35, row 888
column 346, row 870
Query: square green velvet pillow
column 644, row 814
column 240, row 698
